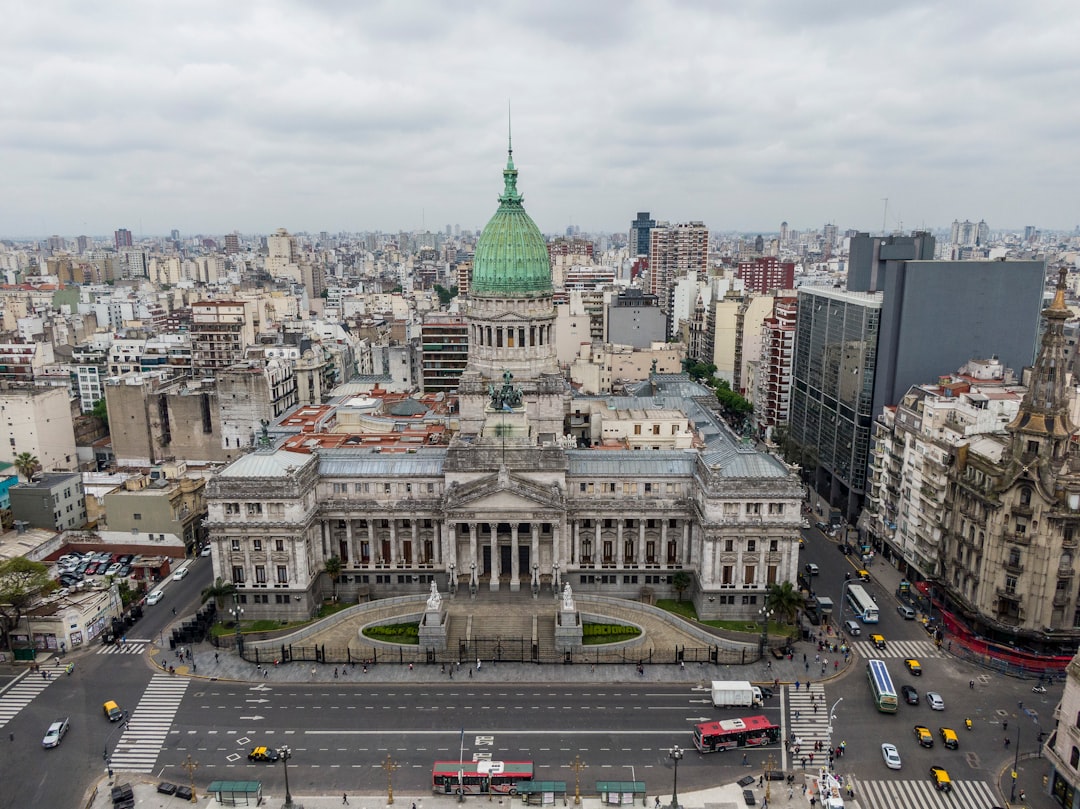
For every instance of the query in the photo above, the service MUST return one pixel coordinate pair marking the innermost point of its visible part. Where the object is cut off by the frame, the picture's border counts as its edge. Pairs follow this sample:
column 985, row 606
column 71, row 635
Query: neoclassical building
column 616, row 495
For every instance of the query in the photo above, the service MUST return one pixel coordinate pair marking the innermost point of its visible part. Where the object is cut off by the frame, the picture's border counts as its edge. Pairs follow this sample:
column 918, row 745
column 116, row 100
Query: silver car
column 55, row 734
column 891, row 756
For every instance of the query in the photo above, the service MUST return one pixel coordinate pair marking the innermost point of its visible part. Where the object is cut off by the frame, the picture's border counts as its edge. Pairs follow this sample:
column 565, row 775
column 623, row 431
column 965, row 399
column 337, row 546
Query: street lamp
column 768, row 768
column 472, row 579
column 675, row 754
column 555, row 578
column 536, row 580
column 286, row 754
column 237, row 612
column 453, row 579
column 765, row 614
column 832, row 718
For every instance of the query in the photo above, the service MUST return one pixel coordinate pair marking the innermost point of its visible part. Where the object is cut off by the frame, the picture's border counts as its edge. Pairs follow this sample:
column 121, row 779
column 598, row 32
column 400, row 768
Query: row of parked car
column 73, row 567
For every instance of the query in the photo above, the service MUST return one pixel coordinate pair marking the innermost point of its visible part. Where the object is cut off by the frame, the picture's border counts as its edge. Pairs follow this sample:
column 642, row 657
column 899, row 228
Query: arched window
column 1074, row 759
column 1025, row 496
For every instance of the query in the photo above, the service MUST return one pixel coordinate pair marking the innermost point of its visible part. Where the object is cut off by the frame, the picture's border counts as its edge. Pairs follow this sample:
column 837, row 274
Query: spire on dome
column 510, row 193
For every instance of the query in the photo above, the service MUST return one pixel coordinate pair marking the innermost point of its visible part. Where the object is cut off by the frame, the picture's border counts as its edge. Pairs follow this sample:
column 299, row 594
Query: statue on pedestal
column 434, row 602
column 567, row 598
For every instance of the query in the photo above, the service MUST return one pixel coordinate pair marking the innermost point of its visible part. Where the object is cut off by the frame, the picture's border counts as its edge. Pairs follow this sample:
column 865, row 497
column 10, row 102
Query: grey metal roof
column 600, row 463
column 426, row 462
column 279, row 463
column 744, row 462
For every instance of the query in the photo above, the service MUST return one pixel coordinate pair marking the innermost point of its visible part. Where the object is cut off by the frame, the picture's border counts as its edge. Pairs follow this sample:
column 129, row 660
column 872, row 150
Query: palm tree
column 333, row 570
column 218, row 591
column 784, row 600
column 26, row 464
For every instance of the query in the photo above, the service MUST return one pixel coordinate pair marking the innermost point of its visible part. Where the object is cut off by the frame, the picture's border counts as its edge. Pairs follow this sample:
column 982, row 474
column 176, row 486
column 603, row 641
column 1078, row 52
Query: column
column 351, row 561
column 557, row 554
column 436, row 542
column 641, row 544
column 620, row 557
column 394, row 557
column 417, row 551
column 515, row 572
column 373, row 551
column 575, row 542
column 494, row 582
column 687, row 549
column 661, row 552
column 449, row 536
column 534, row 548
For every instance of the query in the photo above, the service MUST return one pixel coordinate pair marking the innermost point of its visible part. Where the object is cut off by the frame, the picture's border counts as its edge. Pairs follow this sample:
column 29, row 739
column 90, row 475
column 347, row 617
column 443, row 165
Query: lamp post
column 286, row 754
column 765, row 614
column 768, row 768
column 237, row 612
column 832, row 717
column 536, row 580
column 472, row 579
column 555, row 578
column 1016, row 763
column 121, row 725
column 453, row 579
column 675, row 754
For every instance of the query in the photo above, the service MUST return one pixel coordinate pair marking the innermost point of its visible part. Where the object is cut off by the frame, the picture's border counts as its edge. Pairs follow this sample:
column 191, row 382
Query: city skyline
column 210, row 119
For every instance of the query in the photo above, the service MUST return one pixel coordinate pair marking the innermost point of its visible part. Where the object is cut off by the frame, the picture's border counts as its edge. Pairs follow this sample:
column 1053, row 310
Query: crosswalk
column 897, row 648
column 806, row 724
column 142, row 739
column 130, row 647
column 23, row 692
column 921, row 793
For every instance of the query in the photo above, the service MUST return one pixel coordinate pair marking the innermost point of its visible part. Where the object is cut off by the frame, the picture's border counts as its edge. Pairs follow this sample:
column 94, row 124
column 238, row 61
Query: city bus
column 727, row 734
column 865, row 607
column 486, row 775
column 881, row 686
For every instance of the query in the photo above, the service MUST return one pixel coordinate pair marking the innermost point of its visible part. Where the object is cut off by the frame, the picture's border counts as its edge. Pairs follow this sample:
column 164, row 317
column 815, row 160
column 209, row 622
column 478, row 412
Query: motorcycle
column 1038, row 689
column 967, row 724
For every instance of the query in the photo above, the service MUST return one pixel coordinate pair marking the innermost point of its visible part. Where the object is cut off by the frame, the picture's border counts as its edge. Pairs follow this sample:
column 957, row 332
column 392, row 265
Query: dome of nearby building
column 511, row 257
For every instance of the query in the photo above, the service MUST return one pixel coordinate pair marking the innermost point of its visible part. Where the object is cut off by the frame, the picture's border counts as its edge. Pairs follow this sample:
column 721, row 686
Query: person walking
column 345, row 798
column 478, row 664
column 1005, row 724
column 745, row 760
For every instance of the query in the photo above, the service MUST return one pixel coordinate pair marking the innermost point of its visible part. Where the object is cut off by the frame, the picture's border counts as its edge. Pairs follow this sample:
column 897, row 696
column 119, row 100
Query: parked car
column 125, row 559
column 205, row 551
column 125, row 571
column 821, row 526
column 113, row 569
column 154, row 597
column 891, row 756
column 180, row 574
column 934, row 700
column 906, row 612
column 92, row 569
column 56, row 732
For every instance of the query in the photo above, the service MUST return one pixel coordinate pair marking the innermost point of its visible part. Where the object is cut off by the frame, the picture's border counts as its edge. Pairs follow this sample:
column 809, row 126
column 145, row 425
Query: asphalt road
column 342, row 734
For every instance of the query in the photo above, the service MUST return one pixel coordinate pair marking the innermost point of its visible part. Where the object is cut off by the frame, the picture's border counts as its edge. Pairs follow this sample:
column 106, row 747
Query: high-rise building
column 784, row 234
column 674, row 251
column 444, row 351
column 232, row 243
column 639, row 234
column 220, row 331
column 772, row 393
column 122, row 238
column 766, row 273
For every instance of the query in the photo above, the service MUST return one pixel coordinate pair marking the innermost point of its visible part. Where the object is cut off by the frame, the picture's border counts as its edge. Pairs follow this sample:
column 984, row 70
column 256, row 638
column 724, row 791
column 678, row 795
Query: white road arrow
column 260, row 687
column 700, row 701
column 253, row 718
column 688, row 719
column 257, row 701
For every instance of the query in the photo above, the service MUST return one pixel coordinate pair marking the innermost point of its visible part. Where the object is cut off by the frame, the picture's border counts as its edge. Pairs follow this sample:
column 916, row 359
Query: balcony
column 1013, row 567
column 1060, row 599
column 1022, row 510
column 1018, row 539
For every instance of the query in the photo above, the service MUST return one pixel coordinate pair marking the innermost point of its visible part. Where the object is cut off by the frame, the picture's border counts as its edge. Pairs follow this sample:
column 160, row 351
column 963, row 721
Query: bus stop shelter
column 621, row 792
column 236, row 793
column 542, row 793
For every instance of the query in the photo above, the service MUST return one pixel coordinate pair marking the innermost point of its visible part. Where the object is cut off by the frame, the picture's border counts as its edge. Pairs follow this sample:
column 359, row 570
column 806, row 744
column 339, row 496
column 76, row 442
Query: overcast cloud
column 218, row 116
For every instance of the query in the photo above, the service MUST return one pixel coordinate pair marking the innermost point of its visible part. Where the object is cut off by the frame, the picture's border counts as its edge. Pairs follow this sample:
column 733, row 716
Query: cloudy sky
column 218, row 116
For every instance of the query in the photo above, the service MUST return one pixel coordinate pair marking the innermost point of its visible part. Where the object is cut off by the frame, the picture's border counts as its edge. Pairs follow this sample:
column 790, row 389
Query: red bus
column 750, row 731
column 483, row 776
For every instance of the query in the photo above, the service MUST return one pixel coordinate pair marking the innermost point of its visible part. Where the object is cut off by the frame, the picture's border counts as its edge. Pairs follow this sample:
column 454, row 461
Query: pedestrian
column 971, row 684
column 470, row 673
column 790, row 793
column 806, row 665
column 414, row 805
column 1005, row 725
column 796, row 685
column 345, row 798
column 1006, row 742
column 451, row 672
column 761, row 781
column 312, row 671
column 410, row 667
column 796, row 716
column 215, row 657
column 836, row 665
column 335, row 672
column 442, row 669
column 803, row 760
column 1023, row 796
column 804, row 657
column 823, row 669
column 817, row 658
column 266, row 673
column 174, row 610
column 815, row 707
column 478, row 664
column 657, row 804
column 811, row 759
column 804, row 788
column 768, row 664
column 745, row 760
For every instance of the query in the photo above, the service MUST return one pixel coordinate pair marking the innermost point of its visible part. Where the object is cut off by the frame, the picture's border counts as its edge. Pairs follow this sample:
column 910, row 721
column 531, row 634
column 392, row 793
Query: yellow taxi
column 948, row 738
column 112, row 710
column 941, row 779
column 864, row 575
column 878, row 641
column 924, row 736
column 263, row 754
column 913, row 666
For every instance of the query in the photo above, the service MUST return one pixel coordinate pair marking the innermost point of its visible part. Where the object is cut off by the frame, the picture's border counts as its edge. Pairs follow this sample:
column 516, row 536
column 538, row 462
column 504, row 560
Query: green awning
column 235, row 787
column 620, row 786
column 532, row 787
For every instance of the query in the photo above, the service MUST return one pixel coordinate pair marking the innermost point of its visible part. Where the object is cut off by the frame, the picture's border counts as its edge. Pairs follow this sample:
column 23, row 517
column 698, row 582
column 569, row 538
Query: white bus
column 865, row 607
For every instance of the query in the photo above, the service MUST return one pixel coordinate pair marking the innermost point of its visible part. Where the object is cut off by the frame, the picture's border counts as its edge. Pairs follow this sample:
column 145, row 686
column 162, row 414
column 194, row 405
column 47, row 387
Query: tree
column 681, row 582
column 784, row 600
column 219, row 591
column 100, row 411
column 445, row 295
column 332, row 567
column 26, row 464
column 21, row 582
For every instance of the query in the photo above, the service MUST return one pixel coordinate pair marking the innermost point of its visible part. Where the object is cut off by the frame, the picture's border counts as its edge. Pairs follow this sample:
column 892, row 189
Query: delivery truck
column 735, row 694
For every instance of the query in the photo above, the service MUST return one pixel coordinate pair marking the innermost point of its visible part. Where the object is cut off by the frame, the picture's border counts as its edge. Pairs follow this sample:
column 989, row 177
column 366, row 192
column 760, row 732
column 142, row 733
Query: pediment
column 504, row 492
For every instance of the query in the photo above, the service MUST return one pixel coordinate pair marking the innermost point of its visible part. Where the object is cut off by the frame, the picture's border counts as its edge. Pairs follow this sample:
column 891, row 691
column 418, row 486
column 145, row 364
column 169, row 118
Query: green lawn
column 686, row 610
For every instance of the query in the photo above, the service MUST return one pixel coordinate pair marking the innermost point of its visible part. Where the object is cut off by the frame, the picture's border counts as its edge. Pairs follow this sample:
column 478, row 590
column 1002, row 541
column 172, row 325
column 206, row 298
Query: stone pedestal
column 567, row 630
column 433, row 630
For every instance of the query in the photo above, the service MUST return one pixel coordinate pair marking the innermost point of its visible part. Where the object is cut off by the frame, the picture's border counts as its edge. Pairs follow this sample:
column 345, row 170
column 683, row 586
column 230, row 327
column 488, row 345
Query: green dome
column 511, row 256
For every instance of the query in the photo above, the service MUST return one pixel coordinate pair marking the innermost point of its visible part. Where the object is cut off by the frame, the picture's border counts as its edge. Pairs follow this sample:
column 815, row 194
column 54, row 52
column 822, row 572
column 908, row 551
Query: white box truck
column 735, row 694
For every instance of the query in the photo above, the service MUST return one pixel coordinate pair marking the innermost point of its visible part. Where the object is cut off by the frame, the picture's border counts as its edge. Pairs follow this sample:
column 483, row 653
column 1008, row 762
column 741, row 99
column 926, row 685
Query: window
column 1014, row 557
column 232, row 509
column 234, row 545
column 279, row 545
column 238, row 575
column 753, row 508
column 282, row 574
column 254, row 509
column 1074, row 759
column 727, row 574
column 729, row 545
column 256, row 544
column 135, row 516
column 1010, row 585
column 774, row 545
column 770, row 574
column 341, row 488
column 260, row 574
column 776, row 508
column 751, row 546
column 749, row 573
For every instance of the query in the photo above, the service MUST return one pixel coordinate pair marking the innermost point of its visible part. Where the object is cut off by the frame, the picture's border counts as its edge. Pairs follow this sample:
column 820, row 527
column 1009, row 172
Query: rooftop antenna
column 883, row 215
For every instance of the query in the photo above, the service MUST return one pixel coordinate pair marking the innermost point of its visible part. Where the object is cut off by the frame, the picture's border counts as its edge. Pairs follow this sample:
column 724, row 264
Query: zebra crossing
column 905, row 794
column 808, row 726
column 142, row 739
column 23, row 692
column 897, row 648
column 130, row 647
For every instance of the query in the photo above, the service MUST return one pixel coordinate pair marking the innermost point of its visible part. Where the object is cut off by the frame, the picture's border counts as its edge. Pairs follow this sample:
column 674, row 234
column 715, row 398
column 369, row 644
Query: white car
column 891, row 756
column 55, row 734
column 934, row 700
column 179, row 574
column 205, row 551
column 154, row 597
column 113, row 569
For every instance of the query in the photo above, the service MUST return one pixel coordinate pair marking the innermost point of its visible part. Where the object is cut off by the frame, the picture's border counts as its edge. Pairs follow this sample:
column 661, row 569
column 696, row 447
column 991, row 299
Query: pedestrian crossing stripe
column 23, row 692
column 145, row 733
column 905, row 794
column 128, row 648
column 897, row 648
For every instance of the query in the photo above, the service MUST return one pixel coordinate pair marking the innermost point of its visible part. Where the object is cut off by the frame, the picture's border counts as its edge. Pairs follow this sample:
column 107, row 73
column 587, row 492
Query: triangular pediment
column 502, row 492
